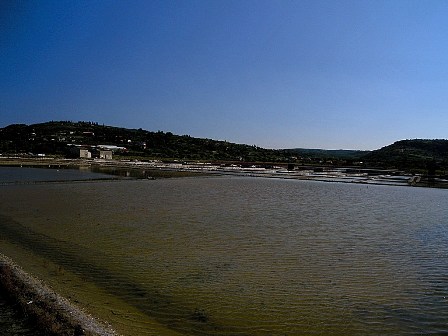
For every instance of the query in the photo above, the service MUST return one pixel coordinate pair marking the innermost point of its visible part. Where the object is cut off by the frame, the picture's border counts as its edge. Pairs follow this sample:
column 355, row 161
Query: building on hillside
column 107, row 155
column 81, row 153
column 85, row 154
column 112, row 148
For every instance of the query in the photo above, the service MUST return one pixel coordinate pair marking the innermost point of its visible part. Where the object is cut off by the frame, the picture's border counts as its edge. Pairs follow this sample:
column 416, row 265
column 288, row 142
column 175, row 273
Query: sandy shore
column 52, row 313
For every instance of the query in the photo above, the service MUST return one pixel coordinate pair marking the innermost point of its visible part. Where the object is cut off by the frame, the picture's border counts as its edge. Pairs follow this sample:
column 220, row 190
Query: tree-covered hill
column 56, row 137
column 415, row 154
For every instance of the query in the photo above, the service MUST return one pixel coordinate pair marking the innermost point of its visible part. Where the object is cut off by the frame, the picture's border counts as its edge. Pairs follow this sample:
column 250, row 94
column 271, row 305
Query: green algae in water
column 151, row 302
column 240, row 256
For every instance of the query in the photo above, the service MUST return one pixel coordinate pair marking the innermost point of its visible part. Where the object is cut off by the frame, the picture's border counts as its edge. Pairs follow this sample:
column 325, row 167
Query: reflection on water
column 28, row 175
column 242, row 256
column 142, row 173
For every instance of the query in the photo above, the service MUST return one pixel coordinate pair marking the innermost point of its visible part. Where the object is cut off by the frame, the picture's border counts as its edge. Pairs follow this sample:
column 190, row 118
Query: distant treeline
column 56, row 137
column 417, row 155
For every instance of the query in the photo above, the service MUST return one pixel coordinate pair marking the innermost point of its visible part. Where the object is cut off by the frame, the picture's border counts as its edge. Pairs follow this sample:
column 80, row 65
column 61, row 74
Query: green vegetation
column 55, row 137
column 417, row 155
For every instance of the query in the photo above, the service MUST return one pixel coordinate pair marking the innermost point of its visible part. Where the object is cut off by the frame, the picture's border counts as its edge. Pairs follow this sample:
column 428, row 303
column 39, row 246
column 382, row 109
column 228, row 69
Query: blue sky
column 277, row 74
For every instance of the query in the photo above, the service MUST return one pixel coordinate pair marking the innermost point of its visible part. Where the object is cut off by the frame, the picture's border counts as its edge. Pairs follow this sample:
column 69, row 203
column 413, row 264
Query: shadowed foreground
column 52, row 313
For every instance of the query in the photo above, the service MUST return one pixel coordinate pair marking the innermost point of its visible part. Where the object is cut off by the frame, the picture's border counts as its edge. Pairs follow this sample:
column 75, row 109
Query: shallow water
column 239, row 256
column 10, row 175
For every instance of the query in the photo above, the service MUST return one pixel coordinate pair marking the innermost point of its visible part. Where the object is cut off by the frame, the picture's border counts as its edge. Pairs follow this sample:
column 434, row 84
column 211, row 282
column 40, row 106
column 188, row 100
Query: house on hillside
column 81, row 153
column 107, row 155
column 85, row 154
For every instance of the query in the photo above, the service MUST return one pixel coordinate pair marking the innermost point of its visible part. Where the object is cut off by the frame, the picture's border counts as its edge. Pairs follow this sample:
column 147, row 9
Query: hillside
column 414, row 154
column 56, row 138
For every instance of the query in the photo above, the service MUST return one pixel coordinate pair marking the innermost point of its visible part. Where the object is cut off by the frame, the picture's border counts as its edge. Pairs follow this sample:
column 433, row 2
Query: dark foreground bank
column 12, row 323
column 51, row 313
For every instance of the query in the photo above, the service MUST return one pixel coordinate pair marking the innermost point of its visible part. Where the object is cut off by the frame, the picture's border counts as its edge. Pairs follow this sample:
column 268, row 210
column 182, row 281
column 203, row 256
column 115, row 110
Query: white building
column 107, row 155
column 85, row 154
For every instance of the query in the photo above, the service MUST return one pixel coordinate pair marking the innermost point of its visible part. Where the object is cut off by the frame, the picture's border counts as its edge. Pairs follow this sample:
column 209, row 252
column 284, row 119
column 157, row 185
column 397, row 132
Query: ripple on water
column 230, row 256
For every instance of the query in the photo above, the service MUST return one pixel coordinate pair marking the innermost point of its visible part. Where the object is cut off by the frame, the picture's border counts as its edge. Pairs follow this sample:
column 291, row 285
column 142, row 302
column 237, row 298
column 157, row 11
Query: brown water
column 238, row 256
column 15, row 175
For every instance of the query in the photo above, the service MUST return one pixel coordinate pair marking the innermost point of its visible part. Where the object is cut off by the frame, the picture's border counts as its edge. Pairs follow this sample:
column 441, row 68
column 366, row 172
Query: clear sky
column 277, row 74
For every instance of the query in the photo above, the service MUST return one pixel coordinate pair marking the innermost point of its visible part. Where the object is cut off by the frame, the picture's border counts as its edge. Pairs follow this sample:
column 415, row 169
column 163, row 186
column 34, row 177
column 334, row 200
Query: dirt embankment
column 51, row 313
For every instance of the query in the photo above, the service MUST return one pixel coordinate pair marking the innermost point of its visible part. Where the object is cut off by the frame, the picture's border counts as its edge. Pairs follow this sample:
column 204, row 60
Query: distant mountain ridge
column 330, row 153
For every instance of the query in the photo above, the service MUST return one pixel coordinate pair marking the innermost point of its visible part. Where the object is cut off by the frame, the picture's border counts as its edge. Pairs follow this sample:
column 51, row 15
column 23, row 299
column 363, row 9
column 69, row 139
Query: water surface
column 10, row 175
column 239, row 256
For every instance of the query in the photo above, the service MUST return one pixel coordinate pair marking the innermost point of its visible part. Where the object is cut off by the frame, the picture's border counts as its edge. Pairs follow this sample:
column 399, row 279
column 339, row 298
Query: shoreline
column 158, row 169
column 47, row 310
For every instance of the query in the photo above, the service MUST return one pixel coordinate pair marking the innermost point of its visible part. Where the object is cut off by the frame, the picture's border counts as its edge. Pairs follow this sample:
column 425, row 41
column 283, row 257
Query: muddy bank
column 52, row 314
